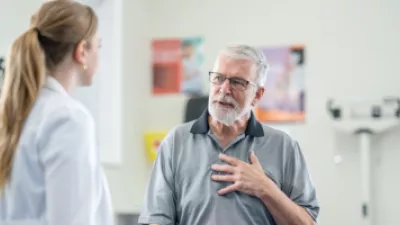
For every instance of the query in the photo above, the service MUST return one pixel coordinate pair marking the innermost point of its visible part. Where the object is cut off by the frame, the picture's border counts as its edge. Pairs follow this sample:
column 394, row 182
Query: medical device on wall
column 387, row 107
column 364, row 118
column 2, row 68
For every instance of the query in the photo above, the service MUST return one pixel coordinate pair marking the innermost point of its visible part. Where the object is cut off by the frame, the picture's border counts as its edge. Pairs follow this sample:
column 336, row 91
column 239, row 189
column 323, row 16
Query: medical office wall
column 349, row 51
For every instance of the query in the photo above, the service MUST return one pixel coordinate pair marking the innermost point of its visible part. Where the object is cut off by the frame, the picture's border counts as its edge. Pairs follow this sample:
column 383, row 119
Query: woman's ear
column 80, row 52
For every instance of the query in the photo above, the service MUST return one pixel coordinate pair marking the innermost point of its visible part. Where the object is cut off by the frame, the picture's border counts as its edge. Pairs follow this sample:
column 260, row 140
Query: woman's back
column 50, row 172
column 56, row 151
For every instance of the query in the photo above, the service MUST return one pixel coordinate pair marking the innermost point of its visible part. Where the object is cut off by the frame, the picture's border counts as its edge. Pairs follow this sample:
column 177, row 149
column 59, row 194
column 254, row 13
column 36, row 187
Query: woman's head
column 62, row 40
column 67, row 34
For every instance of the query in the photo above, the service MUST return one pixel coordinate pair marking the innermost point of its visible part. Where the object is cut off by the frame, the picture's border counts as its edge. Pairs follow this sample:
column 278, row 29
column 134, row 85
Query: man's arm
column 283, row 209
column 297, row 203
column 159, row 201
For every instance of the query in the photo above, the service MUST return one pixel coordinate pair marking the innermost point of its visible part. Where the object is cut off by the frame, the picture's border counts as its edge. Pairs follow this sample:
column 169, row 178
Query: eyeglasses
column 235, row 82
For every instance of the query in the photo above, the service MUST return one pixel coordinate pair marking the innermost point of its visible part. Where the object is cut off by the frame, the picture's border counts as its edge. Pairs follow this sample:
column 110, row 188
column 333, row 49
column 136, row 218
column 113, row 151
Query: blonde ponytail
column 59, row 27
column 24, row 76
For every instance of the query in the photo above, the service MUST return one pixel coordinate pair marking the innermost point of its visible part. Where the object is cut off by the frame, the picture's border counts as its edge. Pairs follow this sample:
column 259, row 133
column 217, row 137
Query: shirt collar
column 201, row 126
column 52, row 84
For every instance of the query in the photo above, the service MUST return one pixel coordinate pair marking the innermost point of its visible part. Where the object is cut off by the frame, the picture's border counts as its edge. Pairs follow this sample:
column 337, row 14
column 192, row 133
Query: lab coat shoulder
column 67, row 151
column 66, row 129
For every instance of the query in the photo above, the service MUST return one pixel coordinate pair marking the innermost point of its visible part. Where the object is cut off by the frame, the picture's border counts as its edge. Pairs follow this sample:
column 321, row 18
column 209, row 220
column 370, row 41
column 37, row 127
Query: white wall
column 351, row 50
column 127, row 182
column 14, row 18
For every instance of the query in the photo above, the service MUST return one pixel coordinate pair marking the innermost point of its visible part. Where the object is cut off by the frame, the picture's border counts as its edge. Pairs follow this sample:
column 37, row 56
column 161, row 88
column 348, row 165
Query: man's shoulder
column 175, row 138
column 276, row 133
column 279, row 138
column 180, row 131
column 282, row 140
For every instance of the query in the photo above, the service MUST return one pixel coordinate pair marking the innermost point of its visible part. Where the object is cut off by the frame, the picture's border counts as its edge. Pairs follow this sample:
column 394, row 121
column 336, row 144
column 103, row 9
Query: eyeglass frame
column 231, row 78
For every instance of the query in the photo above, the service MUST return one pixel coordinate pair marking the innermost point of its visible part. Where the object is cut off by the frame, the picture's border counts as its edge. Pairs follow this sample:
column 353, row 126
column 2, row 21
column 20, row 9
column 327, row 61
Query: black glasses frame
column 231, row 80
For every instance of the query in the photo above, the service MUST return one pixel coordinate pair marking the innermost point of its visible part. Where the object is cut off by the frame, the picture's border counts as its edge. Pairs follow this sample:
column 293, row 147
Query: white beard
column 227, row 116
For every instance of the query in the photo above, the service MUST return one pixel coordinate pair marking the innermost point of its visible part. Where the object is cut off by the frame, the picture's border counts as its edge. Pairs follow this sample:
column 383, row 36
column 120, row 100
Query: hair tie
column 37, row 31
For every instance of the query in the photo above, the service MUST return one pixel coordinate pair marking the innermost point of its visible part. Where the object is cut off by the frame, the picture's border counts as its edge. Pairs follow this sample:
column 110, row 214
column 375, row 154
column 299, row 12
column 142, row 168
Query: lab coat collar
column 52, row 84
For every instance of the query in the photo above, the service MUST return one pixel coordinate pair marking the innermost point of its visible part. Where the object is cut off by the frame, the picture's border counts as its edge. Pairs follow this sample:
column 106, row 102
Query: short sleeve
column 159, row 202
column 298, row 184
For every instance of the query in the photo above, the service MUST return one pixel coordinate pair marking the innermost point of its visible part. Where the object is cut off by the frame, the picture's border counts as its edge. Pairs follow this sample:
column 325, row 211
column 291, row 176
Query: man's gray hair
column 242, row 51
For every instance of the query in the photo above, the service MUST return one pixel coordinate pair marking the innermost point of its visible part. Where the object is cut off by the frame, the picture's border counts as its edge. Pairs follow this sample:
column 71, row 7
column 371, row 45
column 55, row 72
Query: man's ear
column 79, row 54
column 258, row 96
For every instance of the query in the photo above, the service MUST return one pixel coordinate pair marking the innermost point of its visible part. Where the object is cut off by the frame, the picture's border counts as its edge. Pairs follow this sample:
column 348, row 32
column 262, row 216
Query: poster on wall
column 152, row 143
column 284, row 96
column 177, row 66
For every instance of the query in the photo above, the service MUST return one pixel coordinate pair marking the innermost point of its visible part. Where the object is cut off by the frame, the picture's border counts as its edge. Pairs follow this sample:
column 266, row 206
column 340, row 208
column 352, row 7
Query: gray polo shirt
column 181, row 191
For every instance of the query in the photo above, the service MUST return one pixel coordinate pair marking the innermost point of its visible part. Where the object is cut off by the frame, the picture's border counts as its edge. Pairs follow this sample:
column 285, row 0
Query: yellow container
column 152, row 142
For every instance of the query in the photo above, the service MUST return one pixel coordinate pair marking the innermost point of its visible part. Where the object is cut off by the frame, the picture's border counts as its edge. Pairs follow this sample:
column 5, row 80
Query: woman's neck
column 67, row 79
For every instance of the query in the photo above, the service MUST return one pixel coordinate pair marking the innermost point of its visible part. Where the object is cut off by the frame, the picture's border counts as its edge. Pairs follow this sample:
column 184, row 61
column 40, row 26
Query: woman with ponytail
column 49, row 167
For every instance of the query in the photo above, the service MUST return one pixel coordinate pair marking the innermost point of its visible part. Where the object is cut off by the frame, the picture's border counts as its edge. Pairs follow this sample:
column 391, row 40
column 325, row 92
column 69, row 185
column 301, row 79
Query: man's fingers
column 254, row 159
column 223, row 177
column 223, row 168
column 228, row 189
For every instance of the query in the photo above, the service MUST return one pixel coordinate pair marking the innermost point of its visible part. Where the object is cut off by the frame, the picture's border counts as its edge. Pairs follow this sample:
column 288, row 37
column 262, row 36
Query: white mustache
column 228, row 99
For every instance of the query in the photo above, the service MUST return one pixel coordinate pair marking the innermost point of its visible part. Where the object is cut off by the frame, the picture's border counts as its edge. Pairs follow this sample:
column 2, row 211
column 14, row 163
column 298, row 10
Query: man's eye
column 219, row 78
column 238, row 82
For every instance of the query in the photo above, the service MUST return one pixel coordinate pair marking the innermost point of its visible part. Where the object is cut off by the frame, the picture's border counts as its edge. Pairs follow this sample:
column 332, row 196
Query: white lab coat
column 57, row 178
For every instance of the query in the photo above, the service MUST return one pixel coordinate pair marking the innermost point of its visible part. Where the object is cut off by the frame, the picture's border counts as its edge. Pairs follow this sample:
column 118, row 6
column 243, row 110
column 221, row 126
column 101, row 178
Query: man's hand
column 245, row 177
column 250, row 179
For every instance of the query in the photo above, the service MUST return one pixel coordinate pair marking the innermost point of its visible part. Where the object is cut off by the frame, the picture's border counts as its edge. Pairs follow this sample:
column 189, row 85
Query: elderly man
column 227, row 168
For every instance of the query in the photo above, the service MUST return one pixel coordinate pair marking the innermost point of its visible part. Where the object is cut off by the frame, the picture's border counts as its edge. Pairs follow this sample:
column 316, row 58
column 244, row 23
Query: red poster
column 167, row 70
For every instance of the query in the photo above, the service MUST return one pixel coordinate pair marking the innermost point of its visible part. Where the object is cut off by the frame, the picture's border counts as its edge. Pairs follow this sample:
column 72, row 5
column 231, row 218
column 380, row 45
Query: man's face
column 227, row 103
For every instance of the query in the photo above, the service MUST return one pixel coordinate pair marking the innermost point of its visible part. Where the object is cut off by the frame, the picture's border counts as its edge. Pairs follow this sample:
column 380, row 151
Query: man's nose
column 226, row 86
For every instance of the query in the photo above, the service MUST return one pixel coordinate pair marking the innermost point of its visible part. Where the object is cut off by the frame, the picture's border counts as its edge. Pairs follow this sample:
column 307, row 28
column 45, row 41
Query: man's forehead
column 234, row 66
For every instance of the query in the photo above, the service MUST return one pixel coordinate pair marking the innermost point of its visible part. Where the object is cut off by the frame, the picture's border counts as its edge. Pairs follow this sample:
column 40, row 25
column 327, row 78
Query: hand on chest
column 216, row 172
